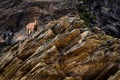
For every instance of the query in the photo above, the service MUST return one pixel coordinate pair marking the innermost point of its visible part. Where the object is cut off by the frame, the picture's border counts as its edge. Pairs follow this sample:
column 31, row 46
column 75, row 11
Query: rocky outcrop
column 15, row 15
column 64, row 49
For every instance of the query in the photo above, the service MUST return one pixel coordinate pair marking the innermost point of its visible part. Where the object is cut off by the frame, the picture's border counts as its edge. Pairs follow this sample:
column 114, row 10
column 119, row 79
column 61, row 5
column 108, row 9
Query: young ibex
column 31, row 27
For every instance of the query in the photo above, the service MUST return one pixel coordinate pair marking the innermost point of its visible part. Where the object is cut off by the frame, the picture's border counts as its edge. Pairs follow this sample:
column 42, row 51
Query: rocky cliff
column 63, row 48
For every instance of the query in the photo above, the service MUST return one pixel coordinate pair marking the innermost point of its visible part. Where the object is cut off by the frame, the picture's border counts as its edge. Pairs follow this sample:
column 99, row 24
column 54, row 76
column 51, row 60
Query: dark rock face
column 106, row 14
column 15, row 15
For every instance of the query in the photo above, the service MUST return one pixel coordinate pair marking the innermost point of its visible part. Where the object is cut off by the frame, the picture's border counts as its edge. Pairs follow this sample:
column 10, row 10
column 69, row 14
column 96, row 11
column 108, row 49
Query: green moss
column 85, row 16
column 110, row 1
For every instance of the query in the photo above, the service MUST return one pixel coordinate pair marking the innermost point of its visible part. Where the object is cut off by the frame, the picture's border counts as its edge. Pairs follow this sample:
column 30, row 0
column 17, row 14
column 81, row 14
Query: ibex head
column 36, row 20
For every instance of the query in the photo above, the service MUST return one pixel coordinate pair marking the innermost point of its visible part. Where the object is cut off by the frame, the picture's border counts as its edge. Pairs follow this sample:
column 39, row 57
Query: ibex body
column 31, row 26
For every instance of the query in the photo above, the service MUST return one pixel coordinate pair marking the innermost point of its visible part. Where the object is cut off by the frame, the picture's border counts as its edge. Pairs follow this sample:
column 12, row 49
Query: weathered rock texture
column 64, row 49
column 115, row 77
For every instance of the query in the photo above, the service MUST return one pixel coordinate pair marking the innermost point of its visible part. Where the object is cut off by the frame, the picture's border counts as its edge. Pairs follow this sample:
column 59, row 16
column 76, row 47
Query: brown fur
column 31, row 26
